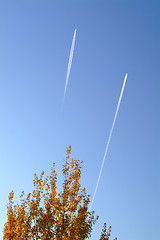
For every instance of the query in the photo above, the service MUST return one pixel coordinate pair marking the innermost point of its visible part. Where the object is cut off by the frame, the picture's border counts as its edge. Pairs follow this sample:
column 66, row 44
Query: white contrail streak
column 110, row 135
column 70, row 63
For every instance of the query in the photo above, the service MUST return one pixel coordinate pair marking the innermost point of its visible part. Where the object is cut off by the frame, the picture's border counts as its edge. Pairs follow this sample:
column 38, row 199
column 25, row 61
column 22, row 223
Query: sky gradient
column 113, row 38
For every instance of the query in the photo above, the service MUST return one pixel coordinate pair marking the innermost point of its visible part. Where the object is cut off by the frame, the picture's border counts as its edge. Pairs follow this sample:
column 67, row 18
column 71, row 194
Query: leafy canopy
column 48, row 215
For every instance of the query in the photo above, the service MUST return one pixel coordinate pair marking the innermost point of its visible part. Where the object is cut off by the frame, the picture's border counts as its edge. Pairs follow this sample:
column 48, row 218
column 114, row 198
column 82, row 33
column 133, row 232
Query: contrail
column 69, row 63
column 110, row 135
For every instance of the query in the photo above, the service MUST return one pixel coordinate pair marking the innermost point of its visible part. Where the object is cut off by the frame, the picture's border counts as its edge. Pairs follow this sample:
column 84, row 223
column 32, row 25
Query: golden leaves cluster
column 46, row 214
column 105, row 234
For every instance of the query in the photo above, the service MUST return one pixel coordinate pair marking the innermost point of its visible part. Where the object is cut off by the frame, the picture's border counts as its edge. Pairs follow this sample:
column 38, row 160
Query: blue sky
column 113, row 38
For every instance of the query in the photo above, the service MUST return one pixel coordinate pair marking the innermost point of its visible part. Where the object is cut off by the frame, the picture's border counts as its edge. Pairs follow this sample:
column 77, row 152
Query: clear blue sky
column 113, row 38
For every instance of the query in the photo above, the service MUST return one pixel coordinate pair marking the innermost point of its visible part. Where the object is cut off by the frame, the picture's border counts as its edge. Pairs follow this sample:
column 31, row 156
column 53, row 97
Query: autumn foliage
column 46, row 214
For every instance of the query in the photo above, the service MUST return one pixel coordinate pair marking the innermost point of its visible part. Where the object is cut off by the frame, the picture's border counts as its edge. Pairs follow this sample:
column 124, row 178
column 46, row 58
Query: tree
column 46, row 214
